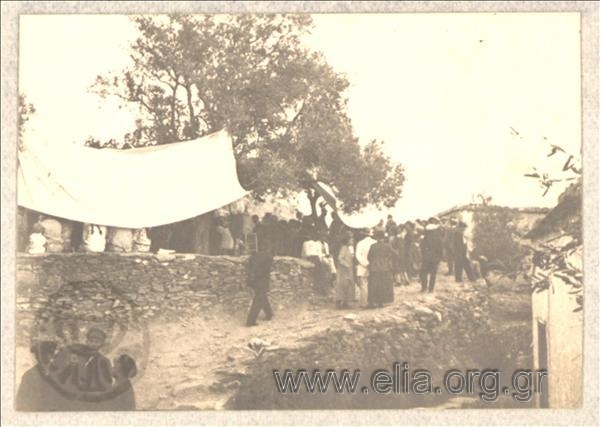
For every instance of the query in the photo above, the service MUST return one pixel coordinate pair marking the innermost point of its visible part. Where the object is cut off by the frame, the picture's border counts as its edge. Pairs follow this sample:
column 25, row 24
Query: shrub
column 493, row 237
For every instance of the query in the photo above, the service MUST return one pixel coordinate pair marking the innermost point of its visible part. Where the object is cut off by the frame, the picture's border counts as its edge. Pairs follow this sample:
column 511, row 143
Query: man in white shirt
column 362, row 268
column 313, row 250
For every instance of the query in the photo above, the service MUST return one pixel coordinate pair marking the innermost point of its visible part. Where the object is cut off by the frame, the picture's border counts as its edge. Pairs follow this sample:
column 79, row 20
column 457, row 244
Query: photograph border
column 587, row 415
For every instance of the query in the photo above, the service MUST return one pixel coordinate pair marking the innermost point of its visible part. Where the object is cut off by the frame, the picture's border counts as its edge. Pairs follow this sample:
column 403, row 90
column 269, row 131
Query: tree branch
column 294, row 120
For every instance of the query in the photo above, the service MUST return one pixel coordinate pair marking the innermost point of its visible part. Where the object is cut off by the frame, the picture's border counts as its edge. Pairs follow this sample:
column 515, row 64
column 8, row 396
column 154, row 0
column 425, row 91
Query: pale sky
column 442, row 91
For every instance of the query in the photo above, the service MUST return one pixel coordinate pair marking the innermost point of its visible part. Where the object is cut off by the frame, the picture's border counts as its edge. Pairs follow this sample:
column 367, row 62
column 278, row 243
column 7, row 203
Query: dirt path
column 198, row 363
column 195, row 364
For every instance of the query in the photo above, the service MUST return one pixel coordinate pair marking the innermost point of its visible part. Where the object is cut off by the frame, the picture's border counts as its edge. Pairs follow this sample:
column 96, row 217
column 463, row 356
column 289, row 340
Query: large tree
column 282, row 103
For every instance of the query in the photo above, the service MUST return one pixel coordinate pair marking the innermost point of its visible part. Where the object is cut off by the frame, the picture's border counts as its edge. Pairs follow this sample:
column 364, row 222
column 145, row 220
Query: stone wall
column 171, row 286
column 469, row 327
column 465, row 329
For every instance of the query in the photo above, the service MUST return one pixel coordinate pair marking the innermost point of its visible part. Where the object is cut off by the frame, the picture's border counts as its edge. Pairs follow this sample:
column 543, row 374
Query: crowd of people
column 51, row 234
column 395, row 254
column 364, row 265
column 235, row 234
column 359, row 265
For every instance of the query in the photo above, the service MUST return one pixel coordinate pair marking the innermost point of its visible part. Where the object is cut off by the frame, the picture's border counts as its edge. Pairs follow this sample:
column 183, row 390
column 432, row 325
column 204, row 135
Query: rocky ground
column 212, row 361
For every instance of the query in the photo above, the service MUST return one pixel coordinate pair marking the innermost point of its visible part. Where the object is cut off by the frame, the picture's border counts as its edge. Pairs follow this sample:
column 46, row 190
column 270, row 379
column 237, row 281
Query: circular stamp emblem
column 91, row 343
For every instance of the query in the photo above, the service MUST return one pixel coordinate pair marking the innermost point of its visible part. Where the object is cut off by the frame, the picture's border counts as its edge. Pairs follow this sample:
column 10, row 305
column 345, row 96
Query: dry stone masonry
column 202, row 357
column 169, row 286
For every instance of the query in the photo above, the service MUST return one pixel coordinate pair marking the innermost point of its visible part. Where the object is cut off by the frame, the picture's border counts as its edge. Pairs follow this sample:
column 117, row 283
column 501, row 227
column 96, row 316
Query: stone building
column 557, row 321
column 525, row 218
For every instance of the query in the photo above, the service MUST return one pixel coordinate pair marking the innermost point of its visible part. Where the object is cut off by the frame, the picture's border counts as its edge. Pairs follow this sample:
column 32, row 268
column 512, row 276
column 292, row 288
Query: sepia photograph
column 298, row 211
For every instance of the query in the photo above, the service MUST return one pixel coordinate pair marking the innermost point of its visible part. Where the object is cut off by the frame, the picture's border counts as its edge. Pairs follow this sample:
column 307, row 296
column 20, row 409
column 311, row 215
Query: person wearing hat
column 390, row 227
column 449, row 229
column 461, row 259
column 381, row 271
column 431, row 254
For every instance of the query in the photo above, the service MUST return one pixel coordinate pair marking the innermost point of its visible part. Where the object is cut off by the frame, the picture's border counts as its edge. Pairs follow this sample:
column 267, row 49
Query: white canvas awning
column 357, row 220
column 141, row 187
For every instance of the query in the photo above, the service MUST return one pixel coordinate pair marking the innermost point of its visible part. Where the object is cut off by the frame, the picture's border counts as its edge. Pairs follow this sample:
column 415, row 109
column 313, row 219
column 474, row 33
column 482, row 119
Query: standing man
column 431, row 253
column 461, row 259
column 226, row 244
column 362, row 268
column 236, row 228
column 337, row 233
column 390, row 227
column 313, row 250
column 259, row 279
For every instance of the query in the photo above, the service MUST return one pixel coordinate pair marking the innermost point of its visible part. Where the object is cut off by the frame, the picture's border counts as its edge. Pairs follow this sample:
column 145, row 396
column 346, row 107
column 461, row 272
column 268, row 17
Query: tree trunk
column 173, row 106
column 313, row 196
column 193, row 125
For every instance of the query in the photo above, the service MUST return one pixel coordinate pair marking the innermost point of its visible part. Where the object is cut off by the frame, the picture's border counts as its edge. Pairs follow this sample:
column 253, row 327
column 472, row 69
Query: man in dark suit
column 432, row 248
column 259, row 278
